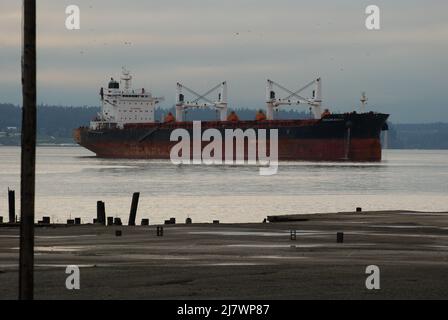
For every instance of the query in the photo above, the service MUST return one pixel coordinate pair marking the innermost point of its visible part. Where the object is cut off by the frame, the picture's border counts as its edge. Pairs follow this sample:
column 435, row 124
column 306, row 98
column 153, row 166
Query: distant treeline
column 418, row 136
column 58, row 123
column 51, row 120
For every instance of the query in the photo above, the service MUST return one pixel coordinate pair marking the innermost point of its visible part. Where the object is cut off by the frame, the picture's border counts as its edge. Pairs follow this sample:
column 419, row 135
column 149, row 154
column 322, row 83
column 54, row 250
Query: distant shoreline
column 56, row 124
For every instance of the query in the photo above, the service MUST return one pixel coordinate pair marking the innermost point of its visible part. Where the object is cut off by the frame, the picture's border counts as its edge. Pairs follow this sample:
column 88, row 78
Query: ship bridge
column 121, row 104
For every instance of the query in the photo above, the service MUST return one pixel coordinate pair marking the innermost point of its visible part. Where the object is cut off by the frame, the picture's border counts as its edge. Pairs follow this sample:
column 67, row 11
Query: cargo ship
column 126, row 126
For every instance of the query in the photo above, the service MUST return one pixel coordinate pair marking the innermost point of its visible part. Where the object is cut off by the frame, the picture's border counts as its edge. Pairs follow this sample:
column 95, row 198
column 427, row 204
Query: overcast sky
column 403, row 67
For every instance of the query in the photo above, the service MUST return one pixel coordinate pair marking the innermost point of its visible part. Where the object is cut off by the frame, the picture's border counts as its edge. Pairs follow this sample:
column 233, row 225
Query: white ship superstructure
column 120, row 104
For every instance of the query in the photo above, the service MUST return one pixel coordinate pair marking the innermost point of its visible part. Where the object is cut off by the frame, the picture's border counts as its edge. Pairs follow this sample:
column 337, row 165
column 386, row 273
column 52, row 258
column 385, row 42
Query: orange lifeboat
column 169, row 117
column 325, row 113
column 260, row 116
column 233, row 117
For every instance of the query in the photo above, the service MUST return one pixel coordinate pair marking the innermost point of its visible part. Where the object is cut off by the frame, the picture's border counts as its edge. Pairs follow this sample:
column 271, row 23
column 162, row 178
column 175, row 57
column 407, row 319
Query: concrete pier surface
column 241, row 261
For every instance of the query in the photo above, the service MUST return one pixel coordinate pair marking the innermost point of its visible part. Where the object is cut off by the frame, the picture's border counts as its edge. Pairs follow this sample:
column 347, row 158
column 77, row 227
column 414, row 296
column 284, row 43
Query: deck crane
column 294, row 98
column 201, row 100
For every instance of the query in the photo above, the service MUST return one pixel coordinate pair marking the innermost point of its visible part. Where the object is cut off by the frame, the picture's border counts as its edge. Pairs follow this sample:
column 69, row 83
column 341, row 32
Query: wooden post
column 340, row 237
column 293, row 234
column 28, row 156
column 101, row 212
column 134, row 205
column 12, row 205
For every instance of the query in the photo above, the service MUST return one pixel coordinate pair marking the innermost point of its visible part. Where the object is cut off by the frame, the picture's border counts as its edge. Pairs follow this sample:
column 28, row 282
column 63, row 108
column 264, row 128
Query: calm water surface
column 70, row 180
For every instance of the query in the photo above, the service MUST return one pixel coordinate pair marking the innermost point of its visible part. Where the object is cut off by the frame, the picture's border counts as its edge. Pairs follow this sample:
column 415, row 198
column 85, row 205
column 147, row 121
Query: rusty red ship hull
column 337, row 137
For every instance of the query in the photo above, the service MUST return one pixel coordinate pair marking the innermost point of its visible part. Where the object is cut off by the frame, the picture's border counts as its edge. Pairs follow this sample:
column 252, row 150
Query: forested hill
column 51, row 120
column 418, row 136
column 56, row 124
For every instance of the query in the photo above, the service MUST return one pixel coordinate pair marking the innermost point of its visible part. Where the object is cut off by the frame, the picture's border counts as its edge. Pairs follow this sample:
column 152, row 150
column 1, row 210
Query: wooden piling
column 340, row 237
column 101, row 212
column 12, row 205
column 171, row 221
column 293, row 234
column 28, row 155
column 133, row 212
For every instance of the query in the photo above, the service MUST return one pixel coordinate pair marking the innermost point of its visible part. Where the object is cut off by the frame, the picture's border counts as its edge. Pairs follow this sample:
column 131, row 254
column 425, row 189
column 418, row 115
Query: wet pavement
column 258, row 261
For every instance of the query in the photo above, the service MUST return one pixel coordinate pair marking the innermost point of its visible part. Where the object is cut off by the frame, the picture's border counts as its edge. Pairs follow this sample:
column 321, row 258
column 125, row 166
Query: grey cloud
column 402, row 67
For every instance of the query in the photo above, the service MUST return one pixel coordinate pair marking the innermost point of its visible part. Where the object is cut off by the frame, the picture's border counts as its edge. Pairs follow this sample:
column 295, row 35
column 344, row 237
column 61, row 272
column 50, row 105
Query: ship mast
column 363, row 102
column 126, row 78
